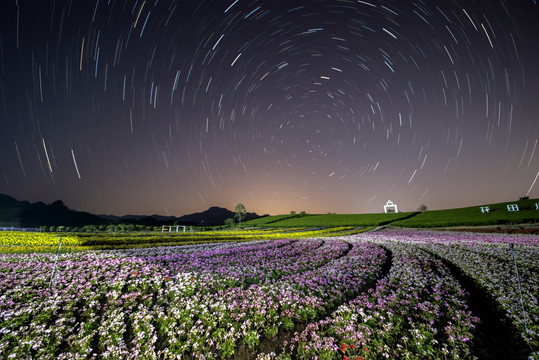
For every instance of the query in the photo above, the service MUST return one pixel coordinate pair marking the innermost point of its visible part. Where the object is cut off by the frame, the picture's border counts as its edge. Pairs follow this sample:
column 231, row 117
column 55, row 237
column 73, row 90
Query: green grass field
column 498, row 214
column 266, row 220
column 327, row 220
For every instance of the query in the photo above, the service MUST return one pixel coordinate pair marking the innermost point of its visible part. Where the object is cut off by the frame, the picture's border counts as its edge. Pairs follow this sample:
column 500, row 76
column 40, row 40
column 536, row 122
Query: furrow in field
column 418, row 310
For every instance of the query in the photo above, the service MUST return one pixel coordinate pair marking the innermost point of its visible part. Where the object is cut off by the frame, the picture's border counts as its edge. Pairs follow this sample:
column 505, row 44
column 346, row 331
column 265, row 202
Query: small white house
column 390, row 207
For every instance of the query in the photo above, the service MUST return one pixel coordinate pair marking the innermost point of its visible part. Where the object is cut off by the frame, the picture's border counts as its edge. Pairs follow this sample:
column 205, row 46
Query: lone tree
column 240, row 212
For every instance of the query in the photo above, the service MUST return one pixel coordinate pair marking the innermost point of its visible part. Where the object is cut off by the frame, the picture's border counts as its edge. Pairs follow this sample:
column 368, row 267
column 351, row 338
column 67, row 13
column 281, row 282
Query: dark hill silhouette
column 212, row 217
column 25, row 214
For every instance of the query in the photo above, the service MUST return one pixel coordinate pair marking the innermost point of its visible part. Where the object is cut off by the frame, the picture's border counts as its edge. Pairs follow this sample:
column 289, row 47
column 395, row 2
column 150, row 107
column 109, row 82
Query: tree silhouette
column 240, row 212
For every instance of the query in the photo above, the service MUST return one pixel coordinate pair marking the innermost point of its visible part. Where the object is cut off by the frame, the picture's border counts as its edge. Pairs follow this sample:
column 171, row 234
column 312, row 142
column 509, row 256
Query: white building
column 390, row 207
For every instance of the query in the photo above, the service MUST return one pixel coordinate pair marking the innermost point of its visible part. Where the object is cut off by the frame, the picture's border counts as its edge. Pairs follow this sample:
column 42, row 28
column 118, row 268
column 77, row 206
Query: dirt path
column 496, row 336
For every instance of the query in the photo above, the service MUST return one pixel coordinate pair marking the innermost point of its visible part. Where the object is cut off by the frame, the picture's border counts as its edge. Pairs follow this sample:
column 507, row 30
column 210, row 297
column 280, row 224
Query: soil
column 495, row 337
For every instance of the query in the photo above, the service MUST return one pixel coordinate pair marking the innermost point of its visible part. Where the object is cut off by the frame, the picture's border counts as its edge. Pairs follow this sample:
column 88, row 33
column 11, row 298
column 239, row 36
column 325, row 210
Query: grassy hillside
column 327, row 220
column 266, row 220
column 469, row 216
column 472, row 216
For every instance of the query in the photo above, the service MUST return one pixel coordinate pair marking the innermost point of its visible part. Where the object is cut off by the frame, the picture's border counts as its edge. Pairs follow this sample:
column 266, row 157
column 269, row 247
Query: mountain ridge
column 21, row 213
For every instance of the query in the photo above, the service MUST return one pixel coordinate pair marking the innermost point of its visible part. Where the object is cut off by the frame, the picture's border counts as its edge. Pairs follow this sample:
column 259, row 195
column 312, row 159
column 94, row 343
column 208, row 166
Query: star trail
column 169, row 106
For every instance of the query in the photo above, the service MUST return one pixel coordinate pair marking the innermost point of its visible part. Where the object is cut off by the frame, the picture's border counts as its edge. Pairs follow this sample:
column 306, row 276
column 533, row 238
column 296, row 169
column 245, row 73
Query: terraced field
column 387, row 294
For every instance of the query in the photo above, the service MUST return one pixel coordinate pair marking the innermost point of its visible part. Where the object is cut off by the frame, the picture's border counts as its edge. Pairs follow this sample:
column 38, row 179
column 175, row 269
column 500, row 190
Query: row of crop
column 50, row 243
column 132, row 274
column 281, row 303
column 27, row 242
column 493, row 268
column 488, row 259
column 99, row 290
column 160, row 304
column 214, row 300
column 210, row 236
column 191, row 232
column 417, row 312
column 26, row 238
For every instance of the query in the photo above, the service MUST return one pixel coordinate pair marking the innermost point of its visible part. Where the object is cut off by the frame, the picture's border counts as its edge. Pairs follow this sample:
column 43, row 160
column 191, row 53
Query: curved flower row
column 134, row 239
column 488, row 259
column 417, row 311
column 492, row 266
column 210, row 301
column 161, row 303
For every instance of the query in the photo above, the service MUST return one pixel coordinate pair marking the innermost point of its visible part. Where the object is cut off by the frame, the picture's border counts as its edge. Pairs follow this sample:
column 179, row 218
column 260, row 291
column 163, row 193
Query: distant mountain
column 213, row 216
column 140, row 218
column 125, row 217
column 153, row 220
column 24, row 214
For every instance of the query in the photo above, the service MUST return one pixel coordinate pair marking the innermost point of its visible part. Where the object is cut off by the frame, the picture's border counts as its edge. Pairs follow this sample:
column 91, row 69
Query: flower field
column 29, row 242
column 489, row 261
column 21, row 241
column 386, row 294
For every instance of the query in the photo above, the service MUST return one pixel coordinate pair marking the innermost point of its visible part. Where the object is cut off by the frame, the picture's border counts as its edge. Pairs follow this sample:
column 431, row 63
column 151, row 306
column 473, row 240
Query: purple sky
column 169, row 107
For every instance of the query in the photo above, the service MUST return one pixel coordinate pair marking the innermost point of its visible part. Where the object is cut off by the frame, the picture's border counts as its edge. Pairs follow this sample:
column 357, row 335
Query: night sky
column 173, row 106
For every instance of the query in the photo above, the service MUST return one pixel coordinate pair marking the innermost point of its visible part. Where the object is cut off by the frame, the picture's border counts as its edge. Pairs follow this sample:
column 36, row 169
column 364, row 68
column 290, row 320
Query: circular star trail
column 167, row 106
